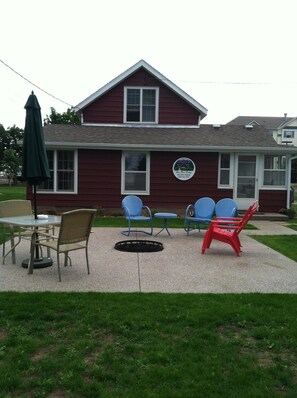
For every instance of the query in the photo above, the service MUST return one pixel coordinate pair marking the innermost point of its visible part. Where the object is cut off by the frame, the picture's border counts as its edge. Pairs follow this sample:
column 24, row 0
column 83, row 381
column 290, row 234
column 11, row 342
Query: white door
column 246, row 190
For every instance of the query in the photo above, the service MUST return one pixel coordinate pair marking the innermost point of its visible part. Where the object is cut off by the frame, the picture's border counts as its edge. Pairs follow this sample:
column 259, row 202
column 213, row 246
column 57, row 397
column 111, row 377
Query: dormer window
column 141, row 105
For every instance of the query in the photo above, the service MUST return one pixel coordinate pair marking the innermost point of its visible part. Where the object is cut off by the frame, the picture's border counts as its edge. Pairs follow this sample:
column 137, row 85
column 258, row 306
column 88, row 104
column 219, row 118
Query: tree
column 68, row 117
column 11, row 164
column 9, row 139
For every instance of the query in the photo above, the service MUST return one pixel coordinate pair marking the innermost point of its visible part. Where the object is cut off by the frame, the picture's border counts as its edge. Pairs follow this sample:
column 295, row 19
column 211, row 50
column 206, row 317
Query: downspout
column 289, row 180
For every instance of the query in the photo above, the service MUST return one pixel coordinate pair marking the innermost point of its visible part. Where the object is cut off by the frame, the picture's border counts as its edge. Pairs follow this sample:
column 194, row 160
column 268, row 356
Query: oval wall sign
column 184, row 169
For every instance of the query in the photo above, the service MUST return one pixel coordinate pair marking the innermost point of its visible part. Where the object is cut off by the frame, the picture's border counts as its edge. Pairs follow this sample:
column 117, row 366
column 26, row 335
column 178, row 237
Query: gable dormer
column 140, row 96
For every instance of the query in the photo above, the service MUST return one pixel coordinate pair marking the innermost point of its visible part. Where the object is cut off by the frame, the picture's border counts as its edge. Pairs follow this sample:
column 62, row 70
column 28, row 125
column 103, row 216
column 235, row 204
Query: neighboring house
column 283, row 129
column 142, row 135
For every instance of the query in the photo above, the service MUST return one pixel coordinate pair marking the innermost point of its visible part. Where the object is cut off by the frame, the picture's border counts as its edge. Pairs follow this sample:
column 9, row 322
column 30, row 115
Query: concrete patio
column 179, row 268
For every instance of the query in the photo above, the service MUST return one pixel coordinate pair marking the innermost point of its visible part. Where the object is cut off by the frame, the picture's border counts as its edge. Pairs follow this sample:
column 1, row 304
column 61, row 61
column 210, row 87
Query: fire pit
column 139, row 246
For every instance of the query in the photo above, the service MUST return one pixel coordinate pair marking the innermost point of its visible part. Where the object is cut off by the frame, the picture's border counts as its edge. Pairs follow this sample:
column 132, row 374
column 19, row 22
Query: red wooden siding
column 175, row 111
column 169, row 192
column 109, row 108
column 99, row 184
column 272, row 201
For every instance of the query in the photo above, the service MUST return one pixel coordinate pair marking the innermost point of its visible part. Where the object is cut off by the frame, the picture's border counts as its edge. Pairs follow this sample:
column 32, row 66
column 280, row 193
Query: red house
column 141, row 134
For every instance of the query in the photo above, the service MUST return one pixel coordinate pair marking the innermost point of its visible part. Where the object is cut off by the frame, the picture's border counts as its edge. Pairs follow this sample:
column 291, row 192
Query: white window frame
column 141, row 98
column 290, row 132
column 275, row 187
column 55, row 170
column 147, row 180
column 231, row 172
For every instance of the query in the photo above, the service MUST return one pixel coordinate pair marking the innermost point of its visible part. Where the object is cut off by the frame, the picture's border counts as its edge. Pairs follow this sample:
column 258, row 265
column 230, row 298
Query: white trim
column 171, row 148
column 231, row 172
column 243, row 203
column 148, row 172
column 261, row 174
column 75, row 182
column 141, row 122
column 283, row 125
column 130, row 71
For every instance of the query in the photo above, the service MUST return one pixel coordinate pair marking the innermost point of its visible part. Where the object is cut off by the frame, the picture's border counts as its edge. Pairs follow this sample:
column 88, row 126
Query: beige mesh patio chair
column 14, row 208
column 73, row 234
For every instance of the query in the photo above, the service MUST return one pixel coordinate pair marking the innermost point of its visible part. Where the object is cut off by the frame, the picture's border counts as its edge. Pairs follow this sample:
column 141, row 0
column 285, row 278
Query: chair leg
column 3, row 247
column 58, row 262
column 12, row 244
column 87, row 259
column 152, row 228
column 127, row 233
column 187, row 227
column 65, row 259
column 205, row 242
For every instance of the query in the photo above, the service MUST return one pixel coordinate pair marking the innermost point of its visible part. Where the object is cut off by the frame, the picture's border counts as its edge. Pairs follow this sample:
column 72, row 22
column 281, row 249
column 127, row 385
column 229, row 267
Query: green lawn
column 13, row 192
column 284, row 244
column 148, row 345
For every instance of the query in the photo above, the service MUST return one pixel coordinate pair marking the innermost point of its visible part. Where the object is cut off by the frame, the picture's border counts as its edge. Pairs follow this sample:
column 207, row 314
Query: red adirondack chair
column 227, row 229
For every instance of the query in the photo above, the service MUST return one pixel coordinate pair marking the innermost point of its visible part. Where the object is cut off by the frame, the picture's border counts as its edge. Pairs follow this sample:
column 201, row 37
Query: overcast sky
column 235, row 57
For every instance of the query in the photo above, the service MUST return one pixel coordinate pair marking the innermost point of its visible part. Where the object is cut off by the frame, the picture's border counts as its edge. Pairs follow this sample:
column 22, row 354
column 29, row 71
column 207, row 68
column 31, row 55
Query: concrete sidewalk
column 179, row 268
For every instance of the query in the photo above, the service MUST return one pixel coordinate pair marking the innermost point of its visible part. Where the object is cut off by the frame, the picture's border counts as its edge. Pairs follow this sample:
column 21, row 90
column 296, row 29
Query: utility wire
column 184, row 81
column 35, row 85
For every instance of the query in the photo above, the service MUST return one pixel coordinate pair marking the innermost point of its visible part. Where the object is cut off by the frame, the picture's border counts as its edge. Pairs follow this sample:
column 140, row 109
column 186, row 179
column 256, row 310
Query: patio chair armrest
column 126, row 211
column 46, row 236
column 190, row 211
column 225, row 219
column 148, row 210
column 224, row 224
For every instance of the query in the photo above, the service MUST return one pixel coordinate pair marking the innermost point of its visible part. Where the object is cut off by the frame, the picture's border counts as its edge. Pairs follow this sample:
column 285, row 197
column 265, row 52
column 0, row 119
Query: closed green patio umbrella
column 35, row 168
column 35, row 164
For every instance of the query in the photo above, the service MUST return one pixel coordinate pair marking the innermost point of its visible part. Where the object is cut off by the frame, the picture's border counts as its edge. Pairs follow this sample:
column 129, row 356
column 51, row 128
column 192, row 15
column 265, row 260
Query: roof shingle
column 205, row 137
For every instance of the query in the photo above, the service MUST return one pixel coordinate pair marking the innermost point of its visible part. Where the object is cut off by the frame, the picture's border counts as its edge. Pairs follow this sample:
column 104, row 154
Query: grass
column 13, row 192
column 284, row 244
column 118, row 345
column 149, row 345
column 19, row 192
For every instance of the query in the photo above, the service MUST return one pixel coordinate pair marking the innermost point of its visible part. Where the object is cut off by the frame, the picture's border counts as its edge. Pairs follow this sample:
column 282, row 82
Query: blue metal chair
column 226, row 208
column 134, row 209
column 199, row 213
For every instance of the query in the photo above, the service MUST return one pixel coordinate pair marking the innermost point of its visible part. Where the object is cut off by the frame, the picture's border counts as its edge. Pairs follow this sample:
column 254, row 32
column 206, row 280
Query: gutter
column 170, row 148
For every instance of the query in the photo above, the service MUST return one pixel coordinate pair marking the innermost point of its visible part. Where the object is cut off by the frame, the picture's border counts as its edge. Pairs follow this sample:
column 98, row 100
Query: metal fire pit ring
column 139, row 246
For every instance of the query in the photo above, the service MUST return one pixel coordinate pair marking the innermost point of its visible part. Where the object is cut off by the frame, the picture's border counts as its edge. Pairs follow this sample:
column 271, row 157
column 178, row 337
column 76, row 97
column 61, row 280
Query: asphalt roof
column 203, row 138
column 270, row 122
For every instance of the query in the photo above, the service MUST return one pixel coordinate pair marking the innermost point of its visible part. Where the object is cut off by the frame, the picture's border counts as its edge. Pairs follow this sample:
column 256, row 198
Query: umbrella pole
column 39, row 262
column 35, row 201
column 35, row 216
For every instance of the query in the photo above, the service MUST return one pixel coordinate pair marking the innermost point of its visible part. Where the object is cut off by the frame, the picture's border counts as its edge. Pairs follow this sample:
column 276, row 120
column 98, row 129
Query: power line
column 35, row 85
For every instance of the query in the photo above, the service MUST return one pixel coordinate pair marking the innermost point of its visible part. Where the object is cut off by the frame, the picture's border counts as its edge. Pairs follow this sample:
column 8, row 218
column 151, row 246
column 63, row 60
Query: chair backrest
column 204, row 208
column 247, row 216
column 133, row 204
column 15, row 208
column 226, row 207
column 76, row 226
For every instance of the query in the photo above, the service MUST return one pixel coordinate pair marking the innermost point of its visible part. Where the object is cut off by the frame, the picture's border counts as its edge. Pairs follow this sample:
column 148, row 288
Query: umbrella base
column 42, row 262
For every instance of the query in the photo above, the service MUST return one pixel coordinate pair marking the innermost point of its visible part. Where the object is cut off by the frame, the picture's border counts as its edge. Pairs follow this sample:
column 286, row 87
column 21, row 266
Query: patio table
column 165, row 217
column 30, row 222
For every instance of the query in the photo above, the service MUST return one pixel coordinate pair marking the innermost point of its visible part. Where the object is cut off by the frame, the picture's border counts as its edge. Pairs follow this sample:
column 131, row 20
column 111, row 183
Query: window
column 141, row 105
column 274, row 170
column 225, row 171
column 289, row 133
column 62, row 166
column 135, row 173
